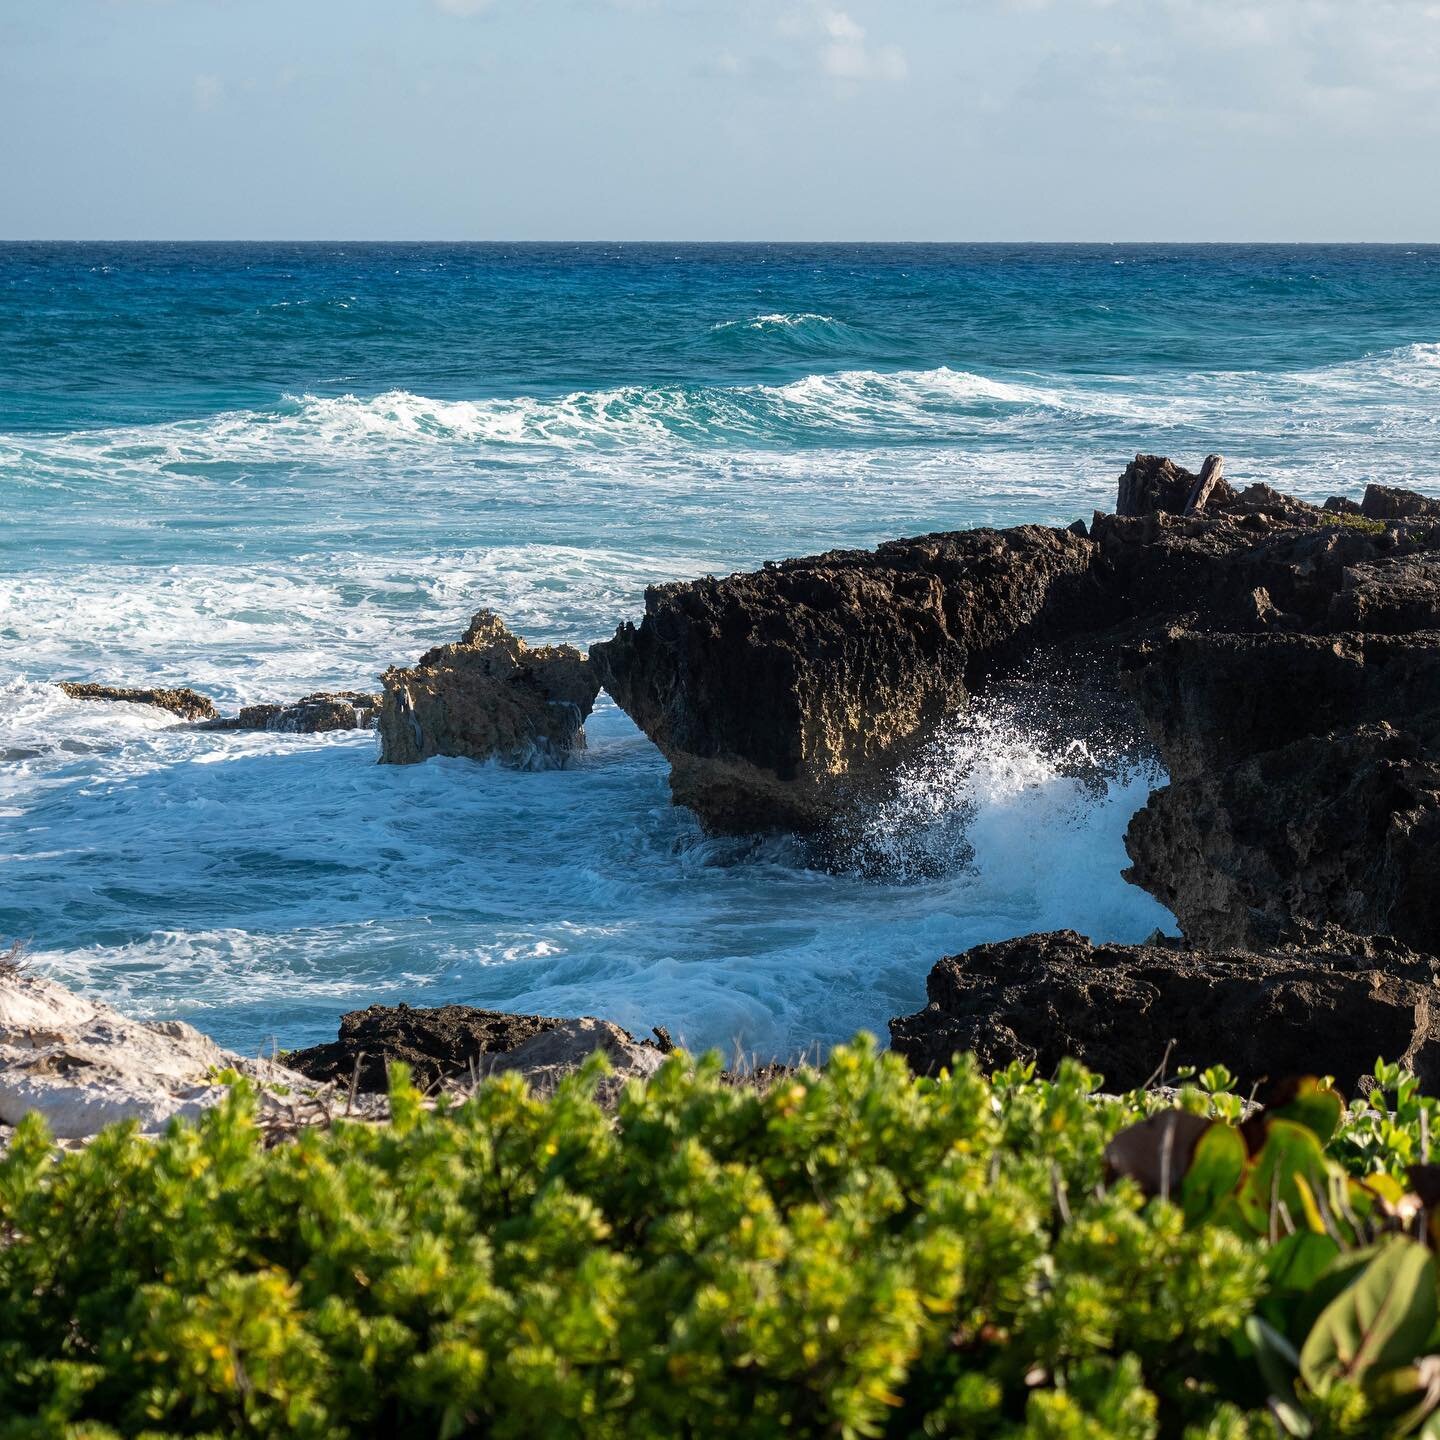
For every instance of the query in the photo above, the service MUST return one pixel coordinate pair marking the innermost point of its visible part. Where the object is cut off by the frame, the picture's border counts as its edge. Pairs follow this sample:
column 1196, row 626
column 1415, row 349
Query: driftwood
column 1212, row 474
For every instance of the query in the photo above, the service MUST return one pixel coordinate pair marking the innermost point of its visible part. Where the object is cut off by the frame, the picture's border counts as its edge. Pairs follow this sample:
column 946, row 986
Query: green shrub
column 1352, row 522
column 852, row 1252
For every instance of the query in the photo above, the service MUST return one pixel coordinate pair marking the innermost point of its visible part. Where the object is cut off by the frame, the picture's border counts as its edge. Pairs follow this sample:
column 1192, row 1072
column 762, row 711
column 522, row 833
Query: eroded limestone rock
column 310, row 715
column 186, row 703
column 83, row 1066
column 489, row 696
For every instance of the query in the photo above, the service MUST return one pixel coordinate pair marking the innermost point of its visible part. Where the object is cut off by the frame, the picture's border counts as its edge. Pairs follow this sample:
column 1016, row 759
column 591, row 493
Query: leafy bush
column 1352, row 522
column 851, row 1252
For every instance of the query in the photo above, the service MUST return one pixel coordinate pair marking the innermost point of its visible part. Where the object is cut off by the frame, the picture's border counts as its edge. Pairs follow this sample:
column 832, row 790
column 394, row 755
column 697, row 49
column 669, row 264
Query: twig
column 1159, row 1072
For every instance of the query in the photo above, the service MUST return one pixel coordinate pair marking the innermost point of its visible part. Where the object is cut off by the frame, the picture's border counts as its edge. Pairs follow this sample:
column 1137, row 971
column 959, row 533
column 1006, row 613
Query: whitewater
column 266, row 470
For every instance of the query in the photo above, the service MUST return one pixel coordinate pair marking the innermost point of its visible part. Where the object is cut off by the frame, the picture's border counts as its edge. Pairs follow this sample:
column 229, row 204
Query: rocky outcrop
column 437, row 1044
column 1284, row 659
column 784, row 697
column 1384, row 502
column 1339, row 828
column 1137, row 1013
column 187, row 704
column 489, row 696
column 81, row 1065
column 1305, row 782
column 456, row 1043
column 1154, row 484
column 311, row 715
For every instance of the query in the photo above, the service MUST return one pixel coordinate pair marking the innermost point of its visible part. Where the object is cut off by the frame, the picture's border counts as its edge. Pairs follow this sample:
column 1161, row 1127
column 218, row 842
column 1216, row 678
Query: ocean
column 266, row 469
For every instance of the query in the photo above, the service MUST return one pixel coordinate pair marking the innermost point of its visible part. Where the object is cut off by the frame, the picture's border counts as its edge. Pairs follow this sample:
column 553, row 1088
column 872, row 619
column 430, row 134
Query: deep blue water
column 259, row 469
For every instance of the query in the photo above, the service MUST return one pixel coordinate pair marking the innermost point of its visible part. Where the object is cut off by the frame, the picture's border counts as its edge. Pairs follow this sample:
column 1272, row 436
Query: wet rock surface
column 488, row 696
column 185, row 703
column 1137, row 1013
column 310, row 715
column 1292, row 693
column 457, row 1043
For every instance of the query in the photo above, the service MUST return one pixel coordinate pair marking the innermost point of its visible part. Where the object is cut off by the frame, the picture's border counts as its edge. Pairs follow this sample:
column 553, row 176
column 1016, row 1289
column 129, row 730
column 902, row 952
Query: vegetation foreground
column 850, row 1252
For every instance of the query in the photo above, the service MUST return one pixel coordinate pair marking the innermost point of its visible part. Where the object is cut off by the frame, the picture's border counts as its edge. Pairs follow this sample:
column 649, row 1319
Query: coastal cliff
column 1281, row 657
column 1283, row 660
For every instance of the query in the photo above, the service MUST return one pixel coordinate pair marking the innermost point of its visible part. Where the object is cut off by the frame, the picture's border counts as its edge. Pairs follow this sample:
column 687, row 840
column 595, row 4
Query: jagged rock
column 1153, row 483
column 1342, row 828
column 1118, row 1008
column 1304, row 779
column 1214, row 699
column 490, row 696
column 455, row 1043
column 82, row 1065
column 310, row 715
column 187, row 704
column 1389, row 596
column 1285, row 662
column 783, row 697
column 1384, row 502
column 786, row 698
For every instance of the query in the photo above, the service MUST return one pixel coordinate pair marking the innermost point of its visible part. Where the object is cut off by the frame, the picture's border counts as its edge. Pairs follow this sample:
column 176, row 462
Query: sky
column 720, row 119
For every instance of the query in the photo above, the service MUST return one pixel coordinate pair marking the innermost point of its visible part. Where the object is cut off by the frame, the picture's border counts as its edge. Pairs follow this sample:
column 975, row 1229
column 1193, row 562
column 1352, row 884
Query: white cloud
column 844, row 51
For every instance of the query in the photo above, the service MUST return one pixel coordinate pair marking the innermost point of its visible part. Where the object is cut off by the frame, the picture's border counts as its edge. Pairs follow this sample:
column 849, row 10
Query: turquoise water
column 263, row 469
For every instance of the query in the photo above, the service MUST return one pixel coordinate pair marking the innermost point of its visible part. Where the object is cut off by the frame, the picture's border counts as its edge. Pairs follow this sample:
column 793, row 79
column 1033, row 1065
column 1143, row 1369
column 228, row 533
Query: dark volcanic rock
column 490, row 696
column 1383, row 502
column 1153, row 483
column 1284, row 659
column 1389, row 597
column 784, row 696
column 1117, row 1008
column 455, row 1043
column 1305, row 782
column 437, row 1044
column 187, row 704
column 310, row 715
column 787, row 698
column 1341, row 828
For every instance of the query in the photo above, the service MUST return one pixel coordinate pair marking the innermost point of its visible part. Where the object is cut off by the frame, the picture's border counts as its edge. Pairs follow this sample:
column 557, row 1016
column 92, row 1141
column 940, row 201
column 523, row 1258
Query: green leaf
column 1216, row 1165
column 1310, row 1102
column 1290, row 1170
column 1381, row 1321
column 1294, row 1268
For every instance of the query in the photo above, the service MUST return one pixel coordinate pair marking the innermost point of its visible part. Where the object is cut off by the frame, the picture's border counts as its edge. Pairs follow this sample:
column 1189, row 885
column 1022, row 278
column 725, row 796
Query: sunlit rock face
column 489, row 696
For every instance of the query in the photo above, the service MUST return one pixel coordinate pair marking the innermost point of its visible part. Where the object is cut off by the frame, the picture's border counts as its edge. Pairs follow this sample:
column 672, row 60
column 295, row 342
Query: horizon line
column 400, row 240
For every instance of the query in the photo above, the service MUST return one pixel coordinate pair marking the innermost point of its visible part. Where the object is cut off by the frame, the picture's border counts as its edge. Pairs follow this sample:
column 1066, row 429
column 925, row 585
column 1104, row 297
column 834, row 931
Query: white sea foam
column 777, row 322
column 300, row 878
column 1392, row 392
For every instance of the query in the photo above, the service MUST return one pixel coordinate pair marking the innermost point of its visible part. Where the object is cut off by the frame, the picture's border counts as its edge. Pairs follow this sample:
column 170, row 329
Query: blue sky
column 721, row 119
